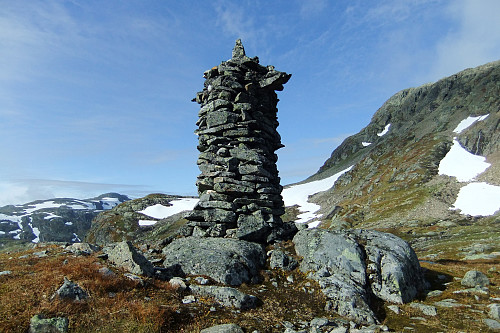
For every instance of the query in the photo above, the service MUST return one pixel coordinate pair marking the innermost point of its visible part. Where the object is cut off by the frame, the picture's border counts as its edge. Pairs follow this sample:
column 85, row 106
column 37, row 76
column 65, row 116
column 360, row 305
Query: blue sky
column 95, row 96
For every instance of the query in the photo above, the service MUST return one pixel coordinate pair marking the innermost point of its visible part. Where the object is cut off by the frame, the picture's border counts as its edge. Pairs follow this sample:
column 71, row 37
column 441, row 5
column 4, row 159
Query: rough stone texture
column 475, row 278
column 224, row 328
column 82, row 248
column 492, row 324
column 40, row 324
column 125, row 255
column 279, row 259
column 72, row 291
column 239, row 187
column 350, row 266
column 494, row 311
column 427, row 310
column 228, row 261
column 227, row 296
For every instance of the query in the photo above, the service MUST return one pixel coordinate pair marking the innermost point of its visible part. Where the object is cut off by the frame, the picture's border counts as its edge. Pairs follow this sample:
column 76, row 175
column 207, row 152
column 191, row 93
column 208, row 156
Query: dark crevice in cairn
column 239, row 187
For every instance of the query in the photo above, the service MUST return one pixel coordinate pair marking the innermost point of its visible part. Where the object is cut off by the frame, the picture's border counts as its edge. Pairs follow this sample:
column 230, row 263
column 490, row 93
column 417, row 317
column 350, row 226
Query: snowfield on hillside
column 160, row 211
column 299, row 195
column 478, row 199
column 461, row 164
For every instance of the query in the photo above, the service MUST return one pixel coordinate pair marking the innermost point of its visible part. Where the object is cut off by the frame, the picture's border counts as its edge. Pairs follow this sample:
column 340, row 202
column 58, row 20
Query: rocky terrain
column 60, row 219
column 393, row 245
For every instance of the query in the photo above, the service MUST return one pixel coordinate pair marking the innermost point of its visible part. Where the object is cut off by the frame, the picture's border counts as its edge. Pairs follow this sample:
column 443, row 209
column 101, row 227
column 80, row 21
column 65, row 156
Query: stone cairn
column 239, row 187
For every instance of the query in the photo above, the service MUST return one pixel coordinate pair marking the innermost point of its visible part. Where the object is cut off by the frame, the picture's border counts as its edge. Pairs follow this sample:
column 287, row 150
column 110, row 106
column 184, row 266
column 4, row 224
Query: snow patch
column 299, row 195
column 366, row 144
column 45, row 204
column 50, row 216
column 466, row 123
column 478, row 199
column 36, row 232
column 384, row 132
column 459, row 163
column 145, row 223
column 159, row 211
column 69, row 223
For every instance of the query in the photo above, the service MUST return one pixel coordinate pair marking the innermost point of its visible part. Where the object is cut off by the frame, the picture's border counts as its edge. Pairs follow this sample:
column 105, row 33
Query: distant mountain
column 59, row 219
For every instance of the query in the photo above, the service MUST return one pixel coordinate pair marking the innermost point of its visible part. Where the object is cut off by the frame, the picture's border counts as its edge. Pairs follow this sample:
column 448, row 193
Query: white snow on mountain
column 467, row 122
column 461, row 164
column 478, row 199
column 299, row 195
column 386, row 129
column 159, row 211
column 366, row 144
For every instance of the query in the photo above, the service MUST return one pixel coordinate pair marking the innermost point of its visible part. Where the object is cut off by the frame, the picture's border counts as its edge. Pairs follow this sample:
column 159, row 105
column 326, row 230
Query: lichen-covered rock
column 227, row 296
column 352, row 265
column 124, row 254
column 40, row 324
column 280, row 259
column 475, row 278
column 228, row 261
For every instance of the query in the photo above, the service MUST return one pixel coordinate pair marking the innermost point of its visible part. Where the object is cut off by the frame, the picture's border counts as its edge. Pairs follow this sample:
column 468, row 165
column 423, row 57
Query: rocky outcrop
column 122, row 222
column 225, row 260
column 125, row 255
column 354, row 268
column 239, row 187
column 71, row 291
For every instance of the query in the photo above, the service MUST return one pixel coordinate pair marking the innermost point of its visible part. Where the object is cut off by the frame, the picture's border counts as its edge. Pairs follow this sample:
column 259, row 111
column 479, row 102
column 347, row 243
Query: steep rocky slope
column 395, row 183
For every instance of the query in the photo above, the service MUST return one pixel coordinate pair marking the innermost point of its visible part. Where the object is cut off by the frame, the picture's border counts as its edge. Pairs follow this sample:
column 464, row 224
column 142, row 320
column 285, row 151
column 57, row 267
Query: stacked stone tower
column 239, row 187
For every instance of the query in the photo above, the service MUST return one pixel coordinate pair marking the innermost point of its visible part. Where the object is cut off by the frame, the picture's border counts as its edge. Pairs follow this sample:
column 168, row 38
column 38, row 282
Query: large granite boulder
column 228, row 261
column 353, row 266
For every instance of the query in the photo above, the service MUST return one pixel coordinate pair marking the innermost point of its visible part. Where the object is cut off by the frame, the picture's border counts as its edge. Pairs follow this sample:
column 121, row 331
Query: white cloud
column 16, row 192
column 475, row 41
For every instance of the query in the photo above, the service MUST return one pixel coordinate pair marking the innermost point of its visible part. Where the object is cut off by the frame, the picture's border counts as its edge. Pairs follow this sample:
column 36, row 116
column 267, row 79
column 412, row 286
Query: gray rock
column 40, row 324
column 279, row 259
column 226, row 296
column 394, row 308
column 124, row 254
column 434, row 293
column 492, row 324
column 228, row 261
column 448, row 303
column 71, row 290
column 350, row 265
column 82, row 248
column 106, row 272
column 475, row 278
column 494, row 311
column 319, row 322
column 134, row 278
column 427, row 310
column 224, row 328
column 177, row 283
